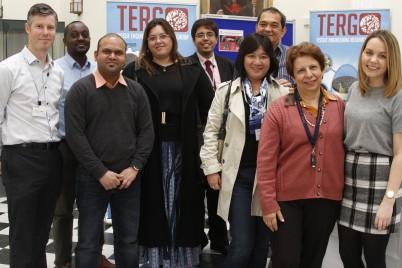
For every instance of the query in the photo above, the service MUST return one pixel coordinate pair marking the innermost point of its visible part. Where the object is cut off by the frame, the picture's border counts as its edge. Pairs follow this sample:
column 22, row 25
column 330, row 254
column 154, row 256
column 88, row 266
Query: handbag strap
column 222, row 129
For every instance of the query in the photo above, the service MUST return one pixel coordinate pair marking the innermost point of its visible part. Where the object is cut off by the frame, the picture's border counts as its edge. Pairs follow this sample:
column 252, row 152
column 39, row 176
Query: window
column 13, row 39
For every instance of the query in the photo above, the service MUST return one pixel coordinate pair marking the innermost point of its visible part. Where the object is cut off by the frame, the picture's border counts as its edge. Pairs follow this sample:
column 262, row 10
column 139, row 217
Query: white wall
column 393, row 5
column 94, row 14
column 300, row 12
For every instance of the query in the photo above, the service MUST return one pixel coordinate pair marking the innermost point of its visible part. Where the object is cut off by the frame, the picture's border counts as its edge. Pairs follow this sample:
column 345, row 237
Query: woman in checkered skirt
column 371, row 206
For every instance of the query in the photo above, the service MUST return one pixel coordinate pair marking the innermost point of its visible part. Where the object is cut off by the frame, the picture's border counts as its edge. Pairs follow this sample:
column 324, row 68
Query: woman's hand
column 384, row 213
column 271, row 222
column 214, row 181
column 284, row 83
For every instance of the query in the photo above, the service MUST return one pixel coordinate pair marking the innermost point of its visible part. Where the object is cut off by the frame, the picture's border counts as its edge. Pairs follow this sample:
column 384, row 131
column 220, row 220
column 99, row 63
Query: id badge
column 39, row 111
column 257, row 134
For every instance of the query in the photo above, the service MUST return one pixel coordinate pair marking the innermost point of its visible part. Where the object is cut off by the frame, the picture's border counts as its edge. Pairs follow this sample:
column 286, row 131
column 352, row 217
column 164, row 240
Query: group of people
column 295, row 159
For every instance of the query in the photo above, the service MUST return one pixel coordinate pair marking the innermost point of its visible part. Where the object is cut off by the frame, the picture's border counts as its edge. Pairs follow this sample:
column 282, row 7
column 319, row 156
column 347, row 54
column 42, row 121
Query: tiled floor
column 208, row 259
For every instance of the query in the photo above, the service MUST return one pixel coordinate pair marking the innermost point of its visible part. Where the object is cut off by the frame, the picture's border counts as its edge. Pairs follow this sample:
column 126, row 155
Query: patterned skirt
column 171, row 256
column 366, row 179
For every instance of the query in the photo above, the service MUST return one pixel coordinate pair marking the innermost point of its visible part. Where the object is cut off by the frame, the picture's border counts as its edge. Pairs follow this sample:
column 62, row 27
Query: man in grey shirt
column 30, row 90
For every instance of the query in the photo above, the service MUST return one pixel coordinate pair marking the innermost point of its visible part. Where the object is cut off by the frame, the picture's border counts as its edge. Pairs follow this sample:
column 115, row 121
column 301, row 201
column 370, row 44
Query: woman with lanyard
column 249, row 97
column 300, row 164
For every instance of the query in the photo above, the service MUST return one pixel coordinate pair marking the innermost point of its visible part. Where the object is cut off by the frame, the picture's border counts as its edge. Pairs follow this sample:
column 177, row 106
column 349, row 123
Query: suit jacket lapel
column 224, row 69
column 147, row 80
column 189, row 77
column 221, row 68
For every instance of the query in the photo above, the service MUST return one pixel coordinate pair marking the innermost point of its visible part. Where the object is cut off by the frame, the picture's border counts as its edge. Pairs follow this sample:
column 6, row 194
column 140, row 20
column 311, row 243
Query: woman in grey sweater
column 373, row 139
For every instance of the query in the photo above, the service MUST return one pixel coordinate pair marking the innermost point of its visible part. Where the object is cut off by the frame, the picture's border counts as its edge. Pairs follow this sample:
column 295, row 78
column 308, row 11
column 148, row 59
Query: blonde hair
column 392, row 77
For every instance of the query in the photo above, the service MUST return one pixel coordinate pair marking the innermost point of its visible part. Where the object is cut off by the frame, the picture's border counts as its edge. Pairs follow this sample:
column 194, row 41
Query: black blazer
column 225, row 66
column 197, row 97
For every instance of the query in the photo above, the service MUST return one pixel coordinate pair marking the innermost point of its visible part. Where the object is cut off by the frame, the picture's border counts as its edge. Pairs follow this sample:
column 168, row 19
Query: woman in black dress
column 171, row 200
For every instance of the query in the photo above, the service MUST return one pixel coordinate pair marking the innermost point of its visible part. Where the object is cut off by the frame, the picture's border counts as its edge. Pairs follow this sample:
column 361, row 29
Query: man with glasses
column 205, row 36
column 219, row 69
column 30, row 89
column 272, row 23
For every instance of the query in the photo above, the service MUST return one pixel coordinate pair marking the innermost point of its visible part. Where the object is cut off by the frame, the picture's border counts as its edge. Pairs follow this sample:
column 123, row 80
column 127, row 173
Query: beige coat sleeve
column 209, row 150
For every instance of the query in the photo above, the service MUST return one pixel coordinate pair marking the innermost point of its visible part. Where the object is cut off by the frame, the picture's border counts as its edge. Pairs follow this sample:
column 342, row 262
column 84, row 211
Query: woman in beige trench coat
column 250, row 96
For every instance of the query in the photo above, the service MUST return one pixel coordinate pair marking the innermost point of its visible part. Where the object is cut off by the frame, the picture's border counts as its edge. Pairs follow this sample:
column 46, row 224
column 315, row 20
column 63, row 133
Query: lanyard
column 43, row 88
column 312, row 140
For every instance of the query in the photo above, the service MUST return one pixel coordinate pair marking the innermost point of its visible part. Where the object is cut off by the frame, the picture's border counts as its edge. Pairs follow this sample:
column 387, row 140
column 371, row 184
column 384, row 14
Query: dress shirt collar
column 203, row 60
column 31, row 58
column 280, row 50
column 100, row 81
column 71, row 62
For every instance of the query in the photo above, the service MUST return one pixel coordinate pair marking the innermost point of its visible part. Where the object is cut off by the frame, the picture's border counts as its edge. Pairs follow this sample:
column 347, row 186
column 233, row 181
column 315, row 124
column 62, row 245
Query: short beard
column 79, row 54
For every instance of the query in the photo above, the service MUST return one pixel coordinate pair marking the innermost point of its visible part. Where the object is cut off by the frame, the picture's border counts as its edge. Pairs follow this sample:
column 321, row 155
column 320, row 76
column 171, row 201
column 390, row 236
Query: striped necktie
column 208, row 64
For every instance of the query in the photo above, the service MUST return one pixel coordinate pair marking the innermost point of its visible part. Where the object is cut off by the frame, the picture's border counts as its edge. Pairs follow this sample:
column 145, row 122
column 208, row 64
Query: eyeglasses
column 203, row 35
column 161, row 37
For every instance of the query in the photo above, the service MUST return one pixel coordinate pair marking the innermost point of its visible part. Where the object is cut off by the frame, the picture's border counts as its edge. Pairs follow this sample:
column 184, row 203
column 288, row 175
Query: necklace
column 163, row 67
column 312, row 139
column 322, row 116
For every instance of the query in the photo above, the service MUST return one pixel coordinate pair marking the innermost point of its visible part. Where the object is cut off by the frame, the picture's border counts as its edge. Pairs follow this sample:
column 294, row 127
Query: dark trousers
column 63, row 214
column 250, row 236
column 352, row 242
column 301, row 240
column 32, row 180
column 92, row 202
column 218, row 233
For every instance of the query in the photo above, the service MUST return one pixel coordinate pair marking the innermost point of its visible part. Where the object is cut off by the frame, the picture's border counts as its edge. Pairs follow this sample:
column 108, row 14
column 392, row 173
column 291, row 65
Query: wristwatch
column 136, row 169
column 390, row 194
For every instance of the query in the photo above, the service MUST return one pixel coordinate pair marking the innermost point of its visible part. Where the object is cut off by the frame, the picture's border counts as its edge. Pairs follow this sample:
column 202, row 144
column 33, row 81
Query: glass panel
column 13, row 39
column 1, row 42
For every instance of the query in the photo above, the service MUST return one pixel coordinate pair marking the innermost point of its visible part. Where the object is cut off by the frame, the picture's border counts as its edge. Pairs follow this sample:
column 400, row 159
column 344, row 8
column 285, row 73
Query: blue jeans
column 250, row 236
column 92, row 201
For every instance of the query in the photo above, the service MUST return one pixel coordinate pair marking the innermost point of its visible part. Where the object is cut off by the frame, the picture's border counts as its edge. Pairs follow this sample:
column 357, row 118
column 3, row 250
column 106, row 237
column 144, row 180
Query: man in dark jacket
column 219, row 69
column 205, row 36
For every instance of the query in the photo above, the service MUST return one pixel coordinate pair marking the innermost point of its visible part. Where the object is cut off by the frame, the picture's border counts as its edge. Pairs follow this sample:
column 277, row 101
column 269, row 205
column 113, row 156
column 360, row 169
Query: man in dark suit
column 205, row 37
column 219, row 69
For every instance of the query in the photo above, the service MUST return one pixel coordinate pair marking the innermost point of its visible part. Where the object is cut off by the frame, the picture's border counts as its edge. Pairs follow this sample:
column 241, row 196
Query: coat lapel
column 236, row 102
column 222, row 68
column 146, row 79
column 189, row 77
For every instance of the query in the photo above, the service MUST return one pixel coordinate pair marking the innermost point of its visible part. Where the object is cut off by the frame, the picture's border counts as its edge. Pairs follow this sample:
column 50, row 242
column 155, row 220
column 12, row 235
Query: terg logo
column 369, row 22
column 178, row 18
column 138, row 16
column 349, row 24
